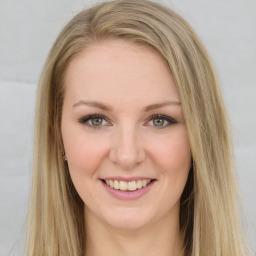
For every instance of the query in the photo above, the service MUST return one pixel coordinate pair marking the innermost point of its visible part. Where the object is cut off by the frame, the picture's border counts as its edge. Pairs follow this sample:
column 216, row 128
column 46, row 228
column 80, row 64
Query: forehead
column 116, row 68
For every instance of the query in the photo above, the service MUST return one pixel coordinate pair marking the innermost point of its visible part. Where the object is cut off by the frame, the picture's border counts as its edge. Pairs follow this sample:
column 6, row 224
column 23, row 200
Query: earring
column 64, row 157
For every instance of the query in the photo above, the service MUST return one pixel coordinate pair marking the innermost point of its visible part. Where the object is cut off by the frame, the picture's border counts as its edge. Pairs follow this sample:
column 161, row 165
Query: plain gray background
column 28, row 29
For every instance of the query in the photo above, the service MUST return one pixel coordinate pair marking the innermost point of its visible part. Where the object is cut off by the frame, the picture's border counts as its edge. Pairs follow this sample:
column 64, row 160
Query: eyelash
column 86, row 119
column 170, row 120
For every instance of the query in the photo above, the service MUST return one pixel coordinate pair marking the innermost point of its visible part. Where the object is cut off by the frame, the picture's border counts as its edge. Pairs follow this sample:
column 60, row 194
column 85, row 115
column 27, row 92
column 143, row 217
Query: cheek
column 172, row 154
column 84, row 153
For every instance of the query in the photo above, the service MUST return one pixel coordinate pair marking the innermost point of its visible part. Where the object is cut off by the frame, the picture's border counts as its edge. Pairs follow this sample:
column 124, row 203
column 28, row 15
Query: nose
column 126, row 150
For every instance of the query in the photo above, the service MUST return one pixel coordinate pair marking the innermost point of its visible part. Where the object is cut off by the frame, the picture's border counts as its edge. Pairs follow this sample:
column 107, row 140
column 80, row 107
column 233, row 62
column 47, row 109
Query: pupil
column 158, row 122
column 97, row 121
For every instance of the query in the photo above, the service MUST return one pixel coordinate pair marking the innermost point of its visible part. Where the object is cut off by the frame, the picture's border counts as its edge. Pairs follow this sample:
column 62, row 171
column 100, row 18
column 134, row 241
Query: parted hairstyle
column 209, row 219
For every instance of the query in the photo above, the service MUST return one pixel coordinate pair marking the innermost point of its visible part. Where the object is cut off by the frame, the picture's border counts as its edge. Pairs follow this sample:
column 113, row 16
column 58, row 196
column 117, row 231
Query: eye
column 94, row 121
column 161, row 121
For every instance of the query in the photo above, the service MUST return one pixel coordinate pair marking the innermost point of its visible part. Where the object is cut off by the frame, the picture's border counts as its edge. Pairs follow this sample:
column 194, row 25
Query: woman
column 133, row 151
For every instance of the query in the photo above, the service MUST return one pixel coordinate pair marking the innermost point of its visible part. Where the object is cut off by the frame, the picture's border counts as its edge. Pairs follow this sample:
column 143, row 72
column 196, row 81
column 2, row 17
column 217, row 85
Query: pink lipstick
column 128, row 188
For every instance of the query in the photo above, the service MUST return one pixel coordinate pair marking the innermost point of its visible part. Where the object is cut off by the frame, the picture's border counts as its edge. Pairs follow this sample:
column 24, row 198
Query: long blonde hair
column 209, row 217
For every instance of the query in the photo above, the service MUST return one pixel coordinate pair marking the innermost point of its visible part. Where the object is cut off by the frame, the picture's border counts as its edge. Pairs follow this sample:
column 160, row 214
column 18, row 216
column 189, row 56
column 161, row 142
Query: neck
column 161, row 238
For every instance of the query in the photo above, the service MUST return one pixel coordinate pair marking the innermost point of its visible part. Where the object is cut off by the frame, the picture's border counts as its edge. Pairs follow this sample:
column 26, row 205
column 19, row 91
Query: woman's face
column 124, row 135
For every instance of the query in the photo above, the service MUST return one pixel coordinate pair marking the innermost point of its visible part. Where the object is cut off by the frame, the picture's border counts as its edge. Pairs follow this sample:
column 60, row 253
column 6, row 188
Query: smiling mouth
column 128, row 185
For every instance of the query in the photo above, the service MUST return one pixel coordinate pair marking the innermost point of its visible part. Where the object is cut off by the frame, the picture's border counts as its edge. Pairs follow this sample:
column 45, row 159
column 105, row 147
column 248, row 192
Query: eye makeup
column 96, row 121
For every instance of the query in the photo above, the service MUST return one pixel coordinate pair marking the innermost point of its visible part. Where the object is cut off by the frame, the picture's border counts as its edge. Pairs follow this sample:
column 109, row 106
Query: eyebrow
column 160, row 105
column 105, row 107
column 93, row 104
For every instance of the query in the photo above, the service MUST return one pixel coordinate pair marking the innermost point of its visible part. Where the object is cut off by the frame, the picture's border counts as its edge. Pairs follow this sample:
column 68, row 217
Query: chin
column 128, row 219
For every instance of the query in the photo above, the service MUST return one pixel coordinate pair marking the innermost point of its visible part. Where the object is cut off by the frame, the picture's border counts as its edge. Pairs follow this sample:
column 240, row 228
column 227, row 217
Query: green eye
column 96, row 121
column 158, row 121
column 161, row 121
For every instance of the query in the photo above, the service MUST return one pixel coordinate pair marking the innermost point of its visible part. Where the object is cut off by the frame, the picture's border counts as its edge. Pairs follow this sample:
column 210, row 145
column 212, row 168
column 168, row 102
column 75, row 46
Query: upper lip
column 119, row 178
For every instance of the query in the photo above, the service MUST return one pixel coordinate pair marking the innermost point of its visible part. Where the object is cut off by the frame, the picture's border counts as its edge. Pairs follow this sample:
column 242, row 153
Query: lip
column 128, row 195
column 119, row 178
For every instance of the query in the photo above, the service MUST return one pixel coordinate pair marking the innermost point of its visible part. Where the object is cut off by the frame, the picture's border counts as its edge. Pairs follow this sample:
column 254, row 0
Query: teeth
column 116, row 184
column 123, row 185
column 130, row 185
column 139, row 184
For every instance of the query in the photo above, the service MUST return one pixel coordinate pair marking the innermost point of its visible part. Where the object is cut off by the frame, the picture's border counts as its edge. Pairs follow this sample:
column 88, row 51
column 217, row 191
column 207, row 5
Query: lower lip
column 128, row 195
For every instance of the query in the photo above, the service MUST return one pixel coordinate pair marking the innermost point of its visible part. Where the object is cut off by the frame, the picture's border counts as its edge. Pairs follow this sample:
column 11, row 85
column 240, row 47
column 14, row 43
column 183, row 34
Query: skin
column 127, row 143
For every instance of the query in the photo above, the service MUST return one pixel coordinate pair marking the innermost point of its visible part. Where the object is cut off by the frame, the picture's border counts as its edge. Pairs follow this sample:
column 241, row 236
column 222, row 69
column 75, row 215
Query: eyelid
column 84, row 120
column 164, row 117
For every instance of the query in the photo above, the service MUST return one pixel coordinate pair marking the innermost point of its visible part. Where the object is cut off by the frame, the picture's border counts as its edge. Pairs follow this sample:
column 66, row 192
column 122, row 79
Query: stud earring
column 64, row 157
